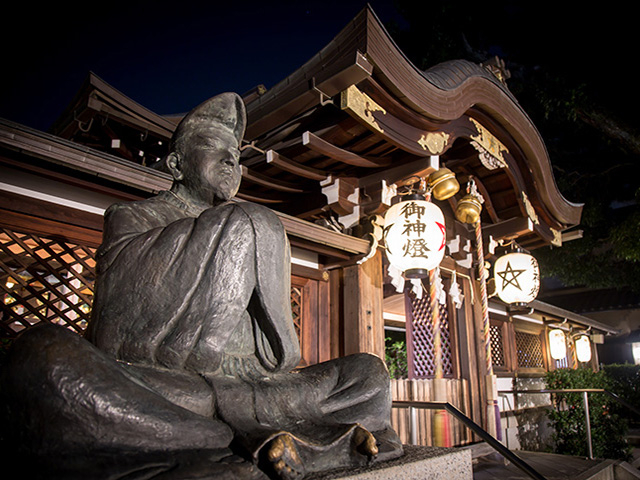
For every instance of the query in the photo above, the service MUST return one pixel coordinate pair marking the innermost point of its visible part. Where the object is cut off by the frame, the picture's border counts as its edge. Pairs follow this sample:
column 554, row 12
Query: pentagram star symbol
column 510, row 277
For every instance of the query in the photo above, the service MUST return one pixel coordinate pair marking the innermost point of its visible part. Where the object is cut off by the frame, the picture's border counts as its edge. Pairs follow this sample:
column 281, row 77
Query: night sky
column 170, row 58
column 167, row 59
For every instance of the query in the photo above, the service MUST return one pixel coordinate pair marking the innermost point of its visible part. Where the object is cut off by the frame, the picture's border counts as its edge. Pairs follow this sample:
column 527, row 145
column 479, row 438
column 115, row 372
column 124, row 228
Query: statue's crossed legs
column 72, row 405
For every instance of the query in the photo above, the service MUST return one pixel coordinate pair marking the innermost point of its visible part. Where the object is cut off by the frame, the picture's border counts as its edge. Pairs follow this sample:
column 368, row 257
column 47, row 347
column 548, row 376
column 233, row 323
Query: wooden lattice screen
column 44, row 280
column 529, row 350
column 497, row 346
column 296, row 309
column 420, row 337
column 47, row 280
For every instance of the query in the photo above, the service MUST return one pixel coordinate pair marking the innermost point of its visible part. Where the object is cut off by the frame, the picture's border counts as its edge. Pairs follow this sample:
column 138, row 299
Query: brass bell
column 468, row 209
column 443, row 184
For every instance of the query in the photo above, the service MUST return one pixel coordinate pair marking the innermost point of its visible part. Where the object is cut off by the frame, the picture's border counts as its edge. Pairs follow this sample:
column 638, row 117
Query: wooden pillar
column 336, row 308
column 362, row 297
column 468, row 349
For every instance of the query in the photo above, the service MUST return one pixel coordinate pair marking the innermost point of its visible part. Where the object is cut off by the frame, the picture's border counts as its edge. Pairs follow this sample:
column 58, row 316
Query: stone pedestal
column 418, row 463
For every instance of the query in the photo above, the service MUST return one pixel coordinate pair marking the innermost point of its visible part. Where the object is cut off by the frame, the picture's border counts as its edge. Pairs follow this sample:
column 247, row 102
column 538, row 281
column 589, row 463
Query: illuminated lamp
column 517, row 278
column 557, row 344
column 414, row 235
column 583, row 348
column 635, row 350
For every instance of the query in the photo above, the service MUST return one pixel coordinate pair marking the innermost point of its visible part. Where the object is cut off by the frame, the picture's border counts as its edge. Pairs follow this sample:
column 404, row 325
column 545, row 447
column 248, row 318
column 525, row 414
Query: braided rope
column 435, row 316
column 484, row 301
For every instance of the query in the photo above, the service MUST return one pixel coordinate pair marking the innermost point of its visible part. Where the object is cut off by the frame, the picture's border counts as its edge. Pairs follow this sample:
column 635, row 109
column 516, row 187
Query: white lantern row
column 557, row 344
column 583, row 348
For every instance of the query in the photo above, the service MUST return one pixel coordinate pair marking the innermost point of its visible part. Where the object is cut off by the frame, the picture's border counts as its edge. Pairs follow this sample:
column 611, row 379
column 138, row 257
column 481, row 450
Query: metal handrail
column 585, row 400
column 477, row 429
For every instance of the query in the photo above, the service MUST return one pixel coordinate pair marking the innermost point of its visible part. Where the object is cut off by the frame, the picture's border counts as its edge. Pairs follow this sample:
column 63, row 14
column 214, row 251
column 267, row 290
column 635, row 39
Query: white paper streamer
column 416, row 286
column 397, row 280
column 454, row 291
column 441, row 295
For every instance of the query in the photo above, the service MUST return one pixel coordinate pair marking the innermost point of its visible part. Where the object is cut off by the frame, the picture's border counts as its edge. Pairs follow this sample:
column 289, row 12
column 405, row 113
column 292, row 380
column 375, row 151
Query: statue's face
column 211, row 166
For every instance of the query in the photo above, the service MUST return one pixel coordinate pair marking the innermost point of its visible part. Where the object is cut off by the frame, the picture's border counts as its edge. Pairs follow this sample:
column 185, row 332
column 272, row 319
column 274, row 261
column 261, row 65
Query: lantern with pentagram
column 414, row 235
column 517, row 278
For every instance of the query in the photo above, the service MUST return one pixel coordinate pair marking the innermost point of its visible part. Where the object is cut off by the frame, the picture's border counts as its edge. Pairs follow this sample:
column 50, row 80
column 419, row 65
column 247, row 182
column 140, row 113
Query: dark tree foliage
column 572, row 70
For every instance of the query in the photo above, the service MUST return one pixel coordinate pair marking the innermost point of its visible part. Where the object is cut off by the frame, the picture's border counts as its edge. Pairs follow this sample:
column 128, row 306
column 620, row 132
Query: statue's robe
column 196, row 348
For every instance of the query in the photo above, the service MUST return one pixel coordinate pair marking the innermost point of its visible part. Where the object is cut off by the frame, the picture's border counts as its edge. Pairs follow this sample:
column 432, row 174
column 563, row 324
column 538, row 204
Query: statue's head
column 204, row 152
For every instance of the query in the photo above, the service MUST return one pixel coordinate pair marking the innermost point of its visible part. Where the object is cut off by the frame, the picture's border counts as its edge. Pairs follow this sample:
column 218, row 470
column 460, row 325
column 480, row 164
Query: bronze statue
column 190, row 363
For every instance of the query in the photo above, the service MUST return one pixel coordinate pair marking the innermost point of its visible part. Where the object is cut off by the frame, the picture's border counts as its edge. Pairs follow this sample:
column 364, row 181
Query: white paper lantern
column 517, row 278
column 583, row 348
column 414, row 236
column 635, row 350
column 557, row 344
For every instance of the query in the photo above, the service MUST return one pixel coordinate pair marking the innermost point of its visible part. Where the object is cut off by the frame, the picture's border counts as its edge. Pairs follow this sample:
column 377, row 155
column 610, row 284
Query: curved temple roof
column 359, row 116
column 408, row 116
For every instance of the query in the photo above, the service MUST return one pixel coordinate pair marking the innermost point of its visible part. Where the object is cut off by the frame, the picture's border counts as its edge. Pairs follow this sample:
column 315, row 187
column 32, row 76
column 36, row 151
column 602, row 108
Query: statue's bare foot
column 365, row 443
column 284, row 458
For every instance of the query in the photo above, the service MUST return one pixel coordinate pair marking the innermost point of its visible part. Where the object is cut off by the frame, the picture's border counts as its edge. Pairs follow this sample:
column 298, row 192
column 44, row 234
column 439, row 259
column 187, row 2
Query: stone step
column 418, row 463
column 479, row 449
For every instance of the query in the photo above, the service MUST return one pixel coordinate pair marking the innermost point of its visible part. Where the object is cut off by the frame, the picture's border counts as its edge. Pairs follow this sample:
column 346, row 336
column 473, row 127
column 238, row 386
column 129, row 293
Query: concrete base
column 417, row 463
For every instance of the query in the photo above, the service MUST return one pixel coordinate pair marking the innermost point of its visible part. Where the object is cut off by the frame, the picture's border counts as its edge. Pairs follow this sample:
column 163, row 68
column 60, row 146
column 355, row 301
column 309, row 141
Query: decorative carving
column 365, row 108
column 434, row 142
column 361, row 105
column 489, row 147
column 531, row 212
column 557, row 237
column 498, row 68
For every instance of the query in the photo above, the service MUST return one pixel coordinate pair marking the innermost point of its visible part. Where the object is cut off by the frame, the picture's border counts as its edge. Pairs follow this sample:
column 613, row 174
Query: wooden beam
column 269, row 182
column 320, row 235
column 323, row 147
column 420, row 167
column 56, row 150
column 258, row 197
column 43, row 226
column 294, row 167
column 331, row 75
column 508, row 229
column 389, row 127
column 127, row 118
column 34, row 207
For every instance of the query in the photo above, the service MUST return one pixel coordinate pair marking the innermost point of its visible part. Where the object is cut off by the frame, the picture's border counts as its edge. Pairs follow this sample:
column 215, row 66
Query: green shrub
column 396, row 357
column 624, row 381
column 608, row 428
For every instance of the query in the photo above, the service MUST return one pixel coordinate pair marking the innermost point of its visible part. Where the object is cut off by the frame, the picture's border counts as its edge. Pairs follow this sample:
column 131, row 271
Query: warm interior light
column 414, row 236
column 635, row 349
column 583, row 348
column 517, row 278
column 557, row 344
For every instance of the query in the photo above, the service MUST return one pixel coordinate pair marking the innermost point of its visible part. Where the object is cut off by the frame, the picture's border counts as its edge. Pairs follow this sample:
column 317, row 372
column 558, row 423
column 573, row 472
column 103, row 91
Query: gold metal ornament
column 468, row 209
column 443, row 184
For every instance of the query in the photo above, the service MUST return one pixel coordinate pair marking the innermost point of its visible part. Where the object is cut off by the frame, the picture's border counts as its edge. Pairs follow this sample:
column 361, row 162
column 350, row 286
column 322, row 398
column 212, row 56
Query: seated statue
column 188, row 368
